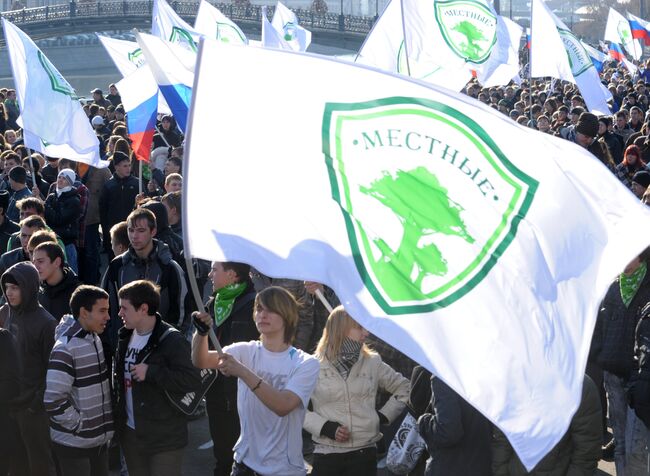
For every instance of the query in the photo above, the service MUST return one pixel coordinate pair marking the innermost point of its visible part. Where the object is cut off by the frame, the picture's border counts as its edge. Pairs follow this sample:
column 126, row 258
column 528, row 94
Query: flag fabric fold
column 503, row 64
column 173, row 68
column 271, row 38
column 286, row 24
column 213, row 24
column 166, row 24
column 598, row 58
column 139, row 92
column 417, row 207
column 618, row 30
column 557, row 52
column 640, row 29
column 52, row 118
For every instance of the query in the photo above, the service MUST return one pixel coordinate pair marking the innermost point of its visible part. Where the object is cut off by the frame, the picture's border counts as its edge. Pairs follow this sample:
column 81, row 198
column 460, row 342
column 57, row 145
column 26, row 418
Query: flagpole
column 530, row 63
column 139, row 175
column 188, row 254
column 31, row 167
column 406, row 51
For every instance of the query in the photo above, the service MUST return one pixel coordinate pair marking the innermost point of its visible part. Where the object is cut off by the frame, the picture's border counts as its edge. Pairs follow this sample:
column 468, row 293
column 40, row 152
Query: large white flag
column 172, row 66
column 286, row 24
column 503, row 64
column 271, row 38
column 618, row 30
column 51, row 116
column 211, row 23
column 416, row 205
column 166, row 24
column 555, row 51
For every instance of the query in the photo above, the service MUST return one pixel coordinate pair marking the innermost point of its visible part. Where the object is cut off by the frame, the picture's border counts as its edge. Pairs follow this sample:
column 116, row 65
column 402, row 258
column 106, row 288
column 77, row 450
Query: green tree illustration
column 424, row 208
column 470, row 48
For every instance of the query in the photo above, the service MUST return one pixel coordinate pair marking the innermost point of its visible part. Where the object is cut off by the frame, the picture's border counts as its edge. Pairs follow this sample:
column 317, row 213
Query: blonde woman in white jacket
column 344, row 423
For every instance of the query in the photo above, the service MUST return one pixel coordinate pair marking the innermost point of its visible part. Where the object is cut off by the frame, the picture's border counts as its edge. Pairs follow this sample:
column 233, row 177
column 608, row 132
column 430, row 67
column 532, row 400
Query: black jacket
column 640, row 387
column 56, row 299
column 7, row 229
column 239, row 327
column 116, row 202
column 457, row 436
column 62, row 214
column 33, row 329
column 617, row 325
column 10, row 258
column 159, row 268
column 158, row 425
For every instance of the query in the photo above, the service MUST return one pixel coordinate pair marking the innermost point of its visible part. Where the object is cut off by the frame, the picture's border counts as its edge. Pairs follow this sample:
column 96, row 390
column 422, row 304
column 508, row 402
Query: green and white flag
column 286, row 24
column 618, row 30
column 166, row 24
column 51, row 116
column 211, row 23
column 417, row 206
column 555, row 51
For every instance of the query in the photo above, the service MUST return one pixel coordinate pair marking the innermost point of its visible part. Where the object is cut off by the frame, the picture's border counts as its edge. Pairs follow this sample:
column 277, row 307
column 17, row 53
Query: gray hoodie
column 33, row 328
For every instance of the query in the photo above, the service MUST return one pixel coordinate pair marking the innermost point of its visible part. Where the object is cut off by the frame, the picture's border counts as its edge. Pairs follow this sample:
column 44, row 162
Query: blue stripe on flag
column 178, row 97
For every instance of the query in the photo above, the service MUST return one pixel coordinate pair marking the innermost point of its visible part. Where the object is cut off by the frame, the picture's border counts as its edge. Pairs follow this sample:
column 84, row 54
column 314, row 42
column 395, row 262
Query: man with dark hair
column 146, row 258
column 7, row 227
column 120, row 238
column 28, row 227
column 230, row 307
column 173, row 202
column 163, row 232
column 152, row 359
column 19, row 190
column 58, row 281
column 174, row 165
column 77, row 394
column 118, row 197
column 33, row 329
column 614, row 141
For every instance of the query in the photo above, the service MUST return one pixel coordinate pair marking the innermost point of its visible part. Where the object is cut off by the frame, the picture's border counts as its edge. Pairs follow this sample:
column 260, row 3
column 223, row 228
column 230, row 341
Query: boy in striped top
column 77, row 395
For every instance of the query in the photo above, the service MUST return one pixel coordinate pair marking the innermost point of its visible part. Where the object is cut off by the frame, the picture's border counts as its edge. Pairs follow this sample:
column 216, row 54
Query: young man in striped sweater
column 77, row 396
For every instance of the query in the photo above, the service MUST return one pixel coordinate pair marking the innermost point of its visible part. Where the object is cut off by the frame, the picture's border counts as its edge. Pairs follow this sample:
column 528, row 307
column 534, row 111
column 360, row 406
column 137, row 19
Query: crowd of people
column 109, row 366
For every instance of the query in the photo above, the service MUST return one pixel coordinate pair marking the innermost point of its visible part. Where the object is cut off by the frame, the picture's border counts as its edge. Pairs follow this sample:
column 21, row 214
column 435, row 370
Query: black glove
column 201, row 327
column 329, row 429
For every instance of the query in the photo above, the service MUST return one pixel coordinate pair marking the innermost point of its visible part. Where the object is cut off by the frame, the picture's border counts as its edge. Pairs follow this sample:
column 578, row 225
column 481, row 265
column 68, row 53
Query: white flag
column 503, row 64
column 51, row 116
column 173, row 67
column 286, row 24
column 555, row 51
column 211, row 23
column 416, row 205
column 271, row 38
column 166, row 24
column 128, row 57
column 618, row 30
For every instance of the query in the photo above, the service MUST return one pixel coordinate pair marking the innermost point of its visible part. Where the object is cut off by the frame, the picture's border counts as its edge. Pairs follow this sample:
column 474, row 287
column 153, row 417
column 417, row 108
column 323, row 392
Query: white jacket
column 351, row 402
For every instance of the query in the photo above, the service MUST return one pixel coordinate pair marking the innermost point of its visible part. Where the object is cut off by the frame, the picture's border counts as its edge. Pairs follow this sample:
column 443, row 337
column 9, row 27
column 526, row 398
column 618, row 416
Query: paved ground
column 198, row 455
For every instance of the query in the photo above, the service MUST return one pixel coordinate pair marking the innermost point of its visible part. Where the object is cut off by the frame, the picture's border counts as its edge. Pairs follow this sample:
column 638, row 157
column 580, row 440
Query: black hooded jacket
column 56, row 299
column 163, row 232
column 33, row 328
column 116, row 202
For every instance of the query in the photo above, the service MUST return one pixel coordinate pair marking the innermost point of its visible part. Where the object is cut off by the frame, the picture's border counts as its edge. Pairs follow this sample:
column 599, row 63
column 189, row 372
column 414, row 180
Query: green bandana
column 224, row 299
column 631, row 284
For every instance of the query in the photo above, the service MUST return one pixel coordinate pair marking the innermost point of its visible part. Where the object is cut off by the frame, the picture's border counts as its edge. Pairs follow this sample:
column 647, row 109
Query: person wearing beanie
column 7, row 227
column 117, row 197
column 640, row 183
column 586, row 133
column 62, row 213
column 19, row 190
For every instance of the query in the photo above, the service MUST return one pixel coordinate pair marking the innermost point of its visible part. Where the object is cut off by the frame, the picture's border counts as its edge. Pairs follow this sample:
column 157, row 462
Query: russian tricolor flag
column 528, row 38
column 616, row 52
column 172, row 66
column 640, row 28
column 139, row 92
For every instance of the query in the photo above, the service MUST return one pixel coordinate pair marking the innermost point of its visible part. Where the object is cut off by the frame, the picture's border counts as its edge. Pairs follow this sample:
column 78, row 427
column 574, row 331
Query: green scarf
column 224, row 299
column 631, row 284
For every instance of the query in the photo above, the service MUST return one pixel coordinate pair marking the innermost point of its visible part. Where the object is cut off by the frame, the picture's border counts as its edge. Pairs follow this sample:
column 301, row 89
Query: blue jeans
column 617, row 400
column 71, row 254
column 637, row 451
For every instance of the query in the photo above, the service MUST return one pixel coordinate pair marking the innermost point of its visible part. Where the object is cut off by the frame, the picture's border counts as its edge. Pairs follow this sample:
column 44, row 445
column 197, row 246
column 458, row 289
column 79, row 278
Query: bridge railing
column 246, row 13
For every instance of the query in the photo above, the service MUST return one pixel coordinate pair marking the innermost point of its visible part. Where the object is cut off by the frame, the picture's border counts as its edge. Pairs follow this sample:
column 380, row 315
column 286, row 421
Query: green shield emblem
column 468, row 27
column 58, row 82
column 624, row 32
column 179, row 35
column 136, row 57
column 579, row 59
column 229, row 34
column 430, row 202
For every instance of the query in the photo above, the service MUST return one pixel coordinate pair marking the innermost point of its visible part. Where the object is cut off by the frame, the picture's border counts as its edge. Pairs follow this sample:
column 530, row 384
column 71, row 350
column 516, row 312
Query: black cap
column 642, row 177
column 18, row 174
column 97, row 90
column 4, row 200
column 119, row 157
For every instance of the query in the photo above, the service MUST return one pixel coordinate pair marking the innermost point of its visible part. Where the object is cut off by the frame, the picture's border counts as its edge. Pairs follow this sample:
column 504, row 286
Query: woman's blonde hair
column 336, row 330
column 282, row 302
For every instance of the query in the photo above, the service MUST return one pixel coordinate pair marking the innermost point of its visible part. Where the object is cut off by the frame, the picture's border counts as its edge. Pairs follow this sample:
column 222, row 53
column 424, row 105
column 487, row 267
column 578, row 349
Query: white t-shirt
column 136, row 344
column 269, row 444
